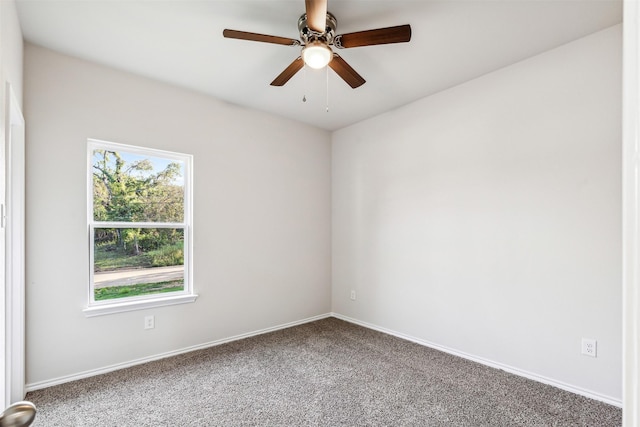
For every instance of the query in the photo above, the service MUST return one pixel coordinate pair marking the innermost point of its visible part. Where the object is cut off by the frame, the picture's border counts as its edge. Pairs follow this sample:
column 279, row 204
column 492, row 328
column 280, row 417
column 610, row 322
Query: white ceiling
column 181, row 42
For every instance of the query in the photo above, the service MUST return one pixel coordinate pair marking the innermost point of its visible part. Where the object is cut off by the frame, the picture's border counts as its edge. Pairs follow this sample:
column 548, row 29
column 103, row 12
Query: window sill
column 121, row 307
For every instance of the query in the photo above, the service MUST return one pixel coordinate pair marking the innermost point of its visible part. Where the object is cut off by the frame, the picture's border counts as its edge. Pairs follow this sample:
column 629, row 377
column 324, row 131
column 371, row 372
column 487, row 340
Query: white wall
column 486, row 219
column 261, row 221
column 11, row 50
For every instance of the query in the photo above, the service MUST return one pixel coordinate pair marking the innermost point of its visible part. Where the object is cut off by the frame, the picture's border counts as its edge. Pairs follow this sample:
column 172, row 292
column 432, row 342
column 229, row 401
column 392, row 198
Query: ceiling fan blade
column 288, row 72
column 243, row 35
column 345, row 71
column 399, row 34
column 316, row 15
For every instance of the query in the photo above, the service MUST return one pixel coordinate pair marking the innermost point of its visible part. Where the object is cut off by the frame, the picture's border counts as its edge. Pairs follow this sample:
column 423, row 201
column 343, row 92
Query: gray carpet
column 325, row 373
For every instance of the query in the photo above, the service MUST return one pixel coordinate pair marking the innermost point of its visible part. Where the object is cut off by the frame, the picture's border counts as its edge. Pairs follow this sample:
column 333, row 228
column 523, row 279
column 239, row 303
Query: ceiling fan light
column 317, row 55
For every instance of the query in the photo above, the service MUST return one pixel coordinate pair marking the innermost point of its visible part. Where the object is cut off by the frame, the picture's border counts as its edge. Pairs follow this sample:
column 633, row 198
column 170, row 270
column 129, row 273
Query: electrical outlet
column 149, row 322
column 353, row 295
column 589, row 347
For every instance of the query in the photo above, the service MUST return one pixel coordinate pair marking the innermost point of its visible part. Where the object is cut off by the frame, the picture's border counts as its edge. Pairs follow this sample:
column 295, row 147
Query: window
column 139, row 224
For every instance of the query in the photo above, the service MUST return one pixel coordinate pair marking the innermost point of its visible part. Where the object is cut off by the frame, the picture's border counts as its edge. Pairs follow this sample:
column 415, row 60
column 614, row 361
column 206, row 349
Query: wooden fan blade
column 399, row 34
column 243, row 35
column 345, row 71
column 288, row 72
column 316, row 15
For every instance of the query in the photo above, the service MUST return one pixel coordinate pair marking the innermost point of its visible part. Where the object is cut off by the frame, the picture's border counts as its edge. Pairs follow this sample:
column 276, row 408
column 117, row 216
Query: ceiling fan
column 317, row 34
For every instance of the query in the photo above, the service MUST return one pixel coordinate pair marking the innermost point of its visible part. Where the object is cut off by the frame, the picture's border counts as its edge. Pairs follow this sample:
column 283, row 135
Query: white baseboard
column 549, row 381
column 90, row 373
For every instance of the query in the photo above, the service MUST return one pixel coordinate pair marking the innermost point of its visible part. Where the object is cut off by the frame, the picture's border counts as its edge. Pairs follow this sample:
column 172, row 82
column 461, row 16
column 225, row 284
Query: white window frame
column 119, row 305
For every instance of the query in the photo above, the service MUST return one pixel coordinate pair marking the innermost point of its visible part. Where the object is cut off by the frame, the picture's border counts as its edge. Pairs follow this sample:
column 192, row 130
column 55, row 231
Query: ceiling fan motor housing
column 307, row 35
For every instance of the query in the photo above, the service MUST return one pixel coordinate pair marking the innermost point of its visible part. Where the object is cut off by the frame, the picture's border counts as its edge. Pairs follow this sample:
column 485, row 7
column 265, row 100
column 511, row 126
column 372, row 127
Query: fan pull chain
column 304, row 77
column 327, row 68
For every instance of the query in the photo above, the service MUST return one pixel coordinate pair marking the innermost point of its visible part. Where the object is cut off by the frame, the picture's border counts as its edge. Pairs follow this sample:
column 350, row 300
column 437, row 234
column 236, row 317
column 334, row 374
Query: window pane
column 130, row 187
column 130, row 262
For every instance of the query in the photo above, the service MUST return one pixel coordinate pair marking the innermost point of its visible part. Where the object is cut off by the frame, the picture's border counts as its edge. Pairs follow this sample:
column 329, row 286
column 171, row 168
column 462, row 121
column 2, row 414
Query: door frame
column 631, row 214
column 12, row 216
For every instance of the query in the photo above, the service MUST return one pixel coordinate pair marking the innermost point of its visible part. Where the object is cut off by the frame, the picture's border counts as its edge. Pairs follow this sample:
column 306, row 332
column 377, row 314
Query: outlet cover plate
column 589, row 347
column 149, row 322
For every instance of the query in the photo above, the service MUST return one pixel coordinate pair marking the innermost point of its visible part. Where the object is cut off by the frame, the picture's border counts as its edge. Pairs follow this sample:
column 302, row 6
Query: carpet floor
column 324, row 373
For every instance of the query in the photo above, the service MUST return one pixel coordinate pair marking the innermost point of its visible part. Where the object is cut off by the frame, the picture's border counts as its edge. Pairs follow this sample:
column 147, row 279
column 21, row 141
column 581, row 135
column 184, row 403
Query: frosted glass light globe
column 317, row 55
